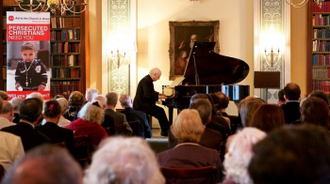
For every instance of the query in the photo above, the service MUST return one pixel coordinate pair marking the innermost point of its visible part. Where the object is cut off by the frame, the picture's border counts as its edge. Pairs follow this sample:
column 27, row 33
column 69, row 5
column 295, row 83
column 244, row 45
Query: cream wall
column 236, row 35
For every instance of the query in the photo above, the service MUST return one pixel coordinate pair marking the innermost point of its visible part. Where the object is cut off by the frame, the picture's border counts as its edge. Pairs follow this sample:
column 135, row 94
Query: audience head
column 112, row 98
column 102, row 99
column 3, row 95
column 204, row 108
column 38, row 96
column 91, row 93
column 215, row 102
column 30, row 110
column 247, row 107
column 64, row 104
column 320, row 94
column 52, row 109
column 198, row 96
column 155, row 74
column 224, row 100
column 58, row 96
column 125, row 100
column 239, row 154
column 296, row 154
column 268, row 117
column 7, row 110
column 188, row 126
column 76, row 100
column 92, row 111
column 292, row 91
column 16, row 102
column 280, row 95
column 314, row 110
column 45, row 164
column 124, row 160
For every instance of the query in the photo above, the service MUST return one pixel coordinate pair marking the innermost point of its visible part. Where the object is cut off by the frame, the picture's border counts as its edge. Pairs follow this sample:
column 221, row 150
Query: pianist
column 146, row 97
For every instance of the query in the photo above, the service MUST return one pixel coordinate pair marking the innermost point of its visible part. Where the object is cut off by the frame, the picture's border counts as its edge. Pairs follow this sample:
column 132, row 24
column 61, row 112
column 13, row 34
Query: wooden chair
column 120, row 129
column 136, row 127
column 179, row 175
column 82, row 149
column 2, row 172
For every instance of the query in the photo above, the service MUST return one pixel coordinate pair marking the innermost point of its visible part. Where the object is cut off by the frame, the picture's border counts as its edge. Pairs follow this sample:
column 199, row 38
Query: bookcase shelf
column 69, row 63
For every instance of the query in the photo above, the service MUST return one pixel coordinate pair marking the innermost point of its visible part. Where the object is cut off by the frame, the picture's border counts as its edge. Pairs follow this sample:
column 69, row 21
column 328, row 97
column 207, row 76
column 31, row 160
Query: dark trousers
column 159, row 113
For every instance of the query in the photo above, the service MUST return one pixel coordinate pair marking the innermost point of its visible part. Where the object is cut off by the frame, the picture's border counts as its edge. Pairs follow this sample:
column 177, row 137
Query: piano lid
column 213, row 68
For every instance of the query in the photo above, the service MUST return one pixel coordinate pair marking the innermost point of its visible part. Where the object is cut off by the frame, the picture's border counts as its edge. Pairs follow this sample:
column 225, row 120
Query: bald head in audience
column 45, row 164
column 124, row 161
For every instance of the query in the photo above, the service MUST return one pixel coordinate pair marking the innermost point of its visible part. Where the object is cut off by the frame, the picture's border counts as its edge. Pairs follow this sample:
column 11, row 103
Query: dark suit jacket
column 235, row 121
column 211, row 139
column 190, row 155
column 146, row 97
column 30, row 136
column 119, row 119
column 133, row 115
column 57, row 134
column 291, row 111
column 220, row 120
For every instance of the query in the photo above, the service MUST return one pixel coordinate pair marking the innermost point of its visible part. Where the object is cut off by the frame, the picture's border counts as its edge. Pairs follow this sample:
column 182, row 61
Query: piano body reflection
column 208, row 72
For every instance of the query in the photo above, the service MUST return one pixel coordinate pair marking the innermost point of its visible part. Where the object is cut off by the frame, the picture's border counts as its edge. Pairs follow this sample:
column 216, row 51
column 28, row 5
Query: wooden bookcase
column 318, row 51
column 69, row 52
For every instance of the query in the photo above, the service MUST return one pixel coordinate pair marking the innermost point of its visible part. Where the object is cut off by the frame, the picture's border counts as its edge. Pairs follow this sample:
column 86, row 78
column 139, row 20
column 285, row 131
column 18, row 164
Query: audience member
column 268, row 117
column 296, row 154
column 281, row 98
column 215, row 102
column 118, row 118
column 239, row 154
column 4, row 95
column 292, row 107
column 107, row 121
column 38, row 96
column 188, row 129
column 6, row 114
column 247, row 108
column 30, row 113
column 76, row 101
column 56, row 134
column 320, row 94
column 315, row 111
column 89, row 123
column 16, row 102
column 223, row 104
column 63, row 122
column 124, row 160
column 45, row 164
column 91, row 93
column 133, row 115
column 58, row 96
column 11, row 148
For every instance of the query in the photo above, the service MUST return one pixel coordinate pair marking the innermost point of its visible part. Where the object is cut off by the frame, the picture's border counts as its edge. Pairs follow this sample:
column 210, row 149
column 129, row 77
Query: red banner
column 24, row 94
column 28, row 32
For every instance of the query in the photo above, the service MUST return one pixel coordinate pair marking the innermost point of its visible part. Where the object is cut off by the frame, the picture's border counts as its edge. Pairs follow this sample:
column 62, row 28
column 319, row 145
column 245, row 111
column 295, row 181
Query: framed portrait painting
column 182, row 37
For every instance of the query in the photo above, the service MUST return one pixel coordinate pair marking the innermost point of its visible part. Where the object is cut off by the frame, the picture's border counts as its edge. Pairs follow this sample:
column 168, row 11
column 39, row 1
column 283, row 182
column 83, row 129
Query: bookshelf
column 69, row 52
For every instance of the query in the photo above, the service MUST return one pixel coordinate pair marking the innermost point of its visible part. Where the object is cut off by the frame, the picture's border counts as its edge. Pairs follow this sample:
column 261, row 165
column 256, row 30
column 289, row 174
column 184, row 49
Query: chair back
column 82, row 149
column 136, row 127
column 120, row 129
column 197, row 175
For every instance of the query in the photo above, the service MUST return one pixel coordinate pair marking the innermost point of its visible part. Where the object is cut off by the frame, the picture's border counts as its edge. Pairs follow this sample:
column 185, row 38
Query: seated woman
column 89, row 123
column 56, row 134
column 188, row 129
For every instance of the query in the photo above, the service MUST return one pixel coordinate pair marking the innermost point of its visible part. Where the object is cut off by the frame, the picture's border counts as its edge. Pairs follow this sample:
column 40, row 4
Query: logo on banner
column 11, row 18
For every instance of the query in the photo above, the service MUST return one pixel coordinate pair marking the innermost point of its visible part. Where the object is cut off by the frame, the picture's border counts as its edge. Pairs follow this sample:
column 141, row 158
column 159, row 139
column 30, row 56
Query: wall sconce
column 272, row 57
column 120, row 49
column 194, row 1
column 44, row 5
column 303, row 3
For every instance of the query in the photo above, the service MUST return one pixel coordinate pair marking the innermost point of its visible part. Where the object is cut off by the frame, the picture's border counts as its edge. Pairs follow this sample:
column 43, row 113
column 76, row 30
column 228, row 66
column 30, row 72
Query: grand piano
column 208, row 72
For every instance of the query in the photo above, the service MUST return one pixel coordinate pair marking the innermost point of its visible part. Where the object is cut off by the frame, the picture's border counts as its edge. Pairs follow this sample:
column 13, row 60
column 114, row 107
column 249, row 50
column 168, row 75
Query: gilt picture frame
column 182, row 37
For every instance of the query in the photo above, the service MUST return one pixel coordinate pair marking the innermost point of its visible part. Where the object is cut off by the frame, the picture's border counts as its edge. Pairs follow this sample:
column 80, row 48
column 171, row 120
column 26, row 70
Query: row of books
column 71, row 34
column 321, row 59
column 321, row 46
column 321, row 85
column 65, row 22
column 65, row 72
column 63, row 87
column 321, row 33
column 322, row 7
column 65, row 60
column 65, row 47
column 321, row 73
column 321, row 20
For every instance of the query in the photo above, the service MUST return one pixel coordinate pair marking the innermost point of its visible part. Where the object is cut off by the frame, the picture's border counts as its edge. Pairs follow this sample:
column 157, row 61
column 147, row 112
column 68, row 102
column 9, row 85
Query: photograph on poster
column 182, row 38
column 28, row 66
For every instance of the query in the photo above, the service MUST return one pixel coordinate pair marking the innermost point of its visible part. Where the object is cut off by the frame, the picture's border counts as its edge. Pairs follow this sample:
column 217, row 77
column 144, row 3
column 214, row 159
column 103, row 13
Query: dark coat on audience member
column 57, row 134
column 291, row 112
column 133, row 115
column 119, row 119
column 29, row 135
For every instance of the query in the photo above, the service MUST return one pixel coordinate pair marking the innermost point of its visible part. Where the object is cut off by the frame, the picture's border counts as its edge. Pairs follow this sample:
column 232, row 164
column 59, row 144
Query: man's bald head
column 155, row 74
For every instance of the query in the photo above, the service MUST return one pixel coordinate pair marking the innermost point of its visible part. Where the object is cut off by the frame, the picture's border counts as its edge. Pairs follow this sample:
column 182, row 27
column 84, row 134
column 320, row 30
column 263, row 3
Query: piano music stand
column 267, row 79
